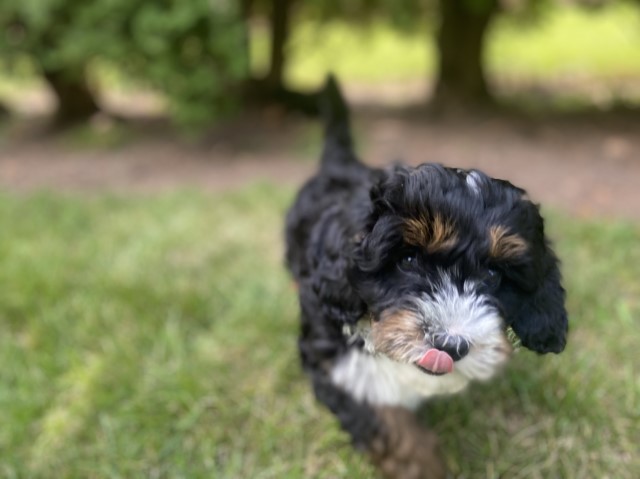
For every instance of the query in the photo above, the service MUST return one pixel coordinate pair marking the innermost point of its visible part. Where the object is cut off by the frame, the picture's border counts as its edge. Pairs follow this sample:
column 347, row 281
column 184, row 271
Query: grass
column 155, row 337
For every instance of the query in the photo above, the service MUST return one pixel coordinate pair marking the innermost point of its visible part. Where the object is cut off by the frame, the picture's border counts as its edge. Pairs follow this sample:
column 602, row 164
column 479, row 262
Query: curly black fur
column 356, row 250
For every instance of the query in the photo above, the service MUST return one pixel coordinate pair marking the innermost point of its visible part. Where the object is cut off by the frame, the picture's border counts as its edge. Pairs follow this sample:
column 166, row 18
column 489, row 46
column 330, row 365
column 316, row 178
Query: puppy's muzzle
column 447, row 349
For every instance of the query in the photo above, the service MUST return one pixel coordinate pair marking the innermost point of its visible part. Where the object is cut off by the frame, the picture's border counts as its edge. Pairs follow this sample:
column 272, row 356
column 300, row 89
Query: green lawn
column 155, row 337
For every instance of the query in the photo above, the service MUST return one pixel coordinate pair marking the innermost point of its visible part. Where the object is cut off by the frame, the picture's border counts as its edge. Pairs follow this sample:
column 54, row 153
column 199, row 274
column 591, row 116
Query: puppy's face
column 450, row 259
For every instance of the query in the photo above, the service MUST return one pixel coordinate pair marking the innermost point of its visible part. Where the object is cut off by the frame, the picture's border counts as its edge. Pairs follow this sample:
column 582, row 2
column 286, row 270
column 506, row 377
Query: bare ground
column 588, row 165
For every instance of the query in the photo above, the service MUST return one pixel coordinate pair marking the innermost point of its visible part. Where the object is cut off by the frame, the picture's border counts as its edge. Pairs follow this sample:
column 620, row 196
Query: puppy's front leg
column 402, row 449
column 392, row 436
column 396, row 443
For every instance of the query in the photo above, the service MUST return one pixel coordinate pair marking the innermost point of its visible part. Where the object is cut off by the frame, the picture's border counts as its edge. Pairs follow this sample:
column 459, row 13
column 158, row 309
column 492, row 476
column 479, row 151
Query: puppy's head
column 448, row 261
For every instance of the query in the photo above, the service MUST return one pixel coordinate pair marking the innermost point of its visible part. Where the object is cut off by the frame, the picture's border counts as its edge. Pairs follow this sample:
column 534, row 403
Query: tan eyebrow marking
column 505, row 245
column 432, row 234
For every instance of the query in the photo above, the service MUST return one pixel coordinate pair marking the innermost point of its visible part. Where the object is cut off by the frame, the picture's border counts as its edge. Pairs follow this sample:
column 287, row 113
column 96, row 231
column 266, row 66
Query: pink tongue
column 436, row 361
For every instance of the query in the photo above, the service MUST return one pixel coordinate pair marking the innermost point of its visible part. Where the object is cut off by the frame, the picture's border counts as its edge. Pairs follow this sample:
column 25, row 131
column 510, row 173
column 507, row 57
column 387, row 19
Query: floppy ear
column 541, row 320
column 541, row 323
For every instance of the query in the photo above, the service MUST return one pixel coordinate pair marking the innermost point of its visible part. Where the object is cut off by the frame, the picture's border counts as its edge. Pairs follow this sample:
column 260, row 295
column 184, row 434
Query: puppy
column 408, row 281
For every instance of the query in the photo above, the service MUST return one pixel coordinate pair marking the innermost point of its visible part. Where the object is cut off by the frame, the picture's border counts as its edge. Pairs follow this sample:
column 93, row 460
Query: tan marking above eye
column 505, row 245
column 433, row 234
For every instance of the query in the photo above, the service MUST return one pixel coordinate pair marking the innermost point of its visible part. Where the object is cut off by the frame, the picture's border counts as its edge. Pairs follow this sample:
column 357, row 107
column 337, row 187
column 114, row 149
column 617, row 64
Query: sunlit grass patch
column 566, row 42
column 157, row 337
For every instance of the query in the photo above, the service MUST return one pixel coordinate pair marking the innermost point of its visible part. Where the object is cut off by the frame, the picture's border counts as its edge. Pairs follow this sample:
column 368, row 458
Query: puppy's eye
column 408, row 261
column 492, row 279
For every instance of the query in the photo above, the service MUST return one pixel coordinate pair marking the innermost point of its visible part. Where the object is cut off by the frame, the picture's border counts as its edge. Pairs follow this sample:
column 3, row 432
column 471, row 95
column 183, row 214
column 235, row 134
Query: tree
column 272, row 88
column 460, row 37
column 195, row 52
column 280, row 17
column 38, row 29
column 460, row 28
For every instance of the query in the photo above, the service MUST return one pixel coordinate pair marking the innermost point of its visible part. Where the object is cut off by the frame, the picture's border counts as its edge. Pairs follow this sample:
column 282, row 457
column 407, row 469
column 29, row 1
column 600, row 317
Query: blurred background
column 149, row 151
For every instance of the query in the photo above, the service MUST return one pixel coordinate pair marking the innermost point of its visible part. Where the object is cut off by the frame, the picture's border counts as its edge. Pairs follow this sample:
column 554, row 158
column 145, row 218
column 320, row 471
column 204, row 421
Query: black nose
column 455, row 346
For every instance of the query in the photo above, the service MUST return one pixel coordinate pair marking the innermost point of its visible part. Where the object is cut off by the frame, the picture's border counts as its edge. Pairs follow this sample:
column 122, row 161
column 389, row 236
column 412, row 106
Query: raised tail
column 338, row 143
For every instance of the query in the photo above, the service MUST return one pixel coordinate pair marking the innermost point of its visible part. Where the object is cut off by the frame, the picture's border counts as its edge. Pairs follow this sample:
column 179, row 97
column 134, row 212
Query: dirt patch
column 588, row 165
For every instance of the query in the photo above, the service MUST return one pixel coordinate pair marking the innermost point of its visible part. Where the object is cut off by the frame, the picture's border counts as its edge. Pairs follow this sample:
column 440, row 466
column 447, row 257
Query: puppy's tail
column 338, row 143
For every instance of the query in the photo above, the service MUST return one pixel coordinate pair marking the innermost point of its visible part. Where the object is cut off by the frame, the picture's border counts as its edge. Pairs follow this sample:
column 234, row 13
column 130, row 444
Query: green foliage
column 194, row 52
column 156, row 337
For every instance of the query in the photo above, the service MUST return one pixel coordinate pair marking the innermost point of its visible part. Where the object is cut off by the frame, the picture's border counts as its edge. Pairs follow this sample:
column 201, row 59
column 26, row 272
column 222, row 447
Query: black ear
column 541, row 319
column 541, row 323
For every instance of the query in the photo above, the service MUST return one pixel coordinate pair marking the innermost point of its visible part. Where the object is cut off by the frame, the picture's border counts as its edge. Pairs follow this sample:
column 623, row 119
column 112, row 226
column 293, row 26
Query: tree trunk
column 461, row 78
column 279, row 20
column 4, row 112
column 246, row 12
column 75, row 101
column 272, row 89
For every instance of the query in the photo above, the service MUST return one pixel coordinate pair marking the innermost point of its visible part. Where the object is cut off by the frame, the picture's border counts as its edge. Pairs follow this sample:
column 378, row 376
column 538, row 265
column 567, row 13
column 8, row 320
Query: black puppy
column 408, row 280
